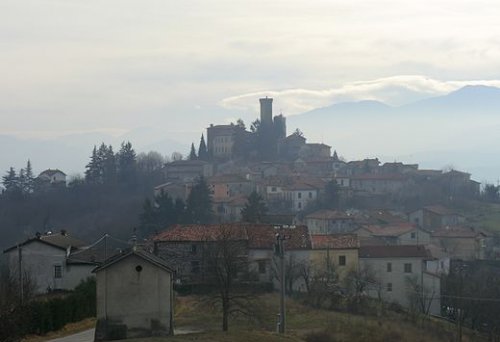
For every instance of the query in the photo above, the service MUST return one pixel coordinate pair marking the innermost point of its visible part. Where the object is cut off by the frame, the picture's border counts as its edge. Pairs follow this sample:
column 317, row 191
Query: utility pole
column 21, row 280
column 279, row 250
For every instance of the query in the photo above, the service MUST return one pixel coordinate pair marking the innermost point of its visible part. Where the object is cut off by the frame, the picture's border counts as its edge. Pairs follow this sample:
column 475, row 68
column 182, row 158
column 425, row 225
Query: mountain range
column 460, row 129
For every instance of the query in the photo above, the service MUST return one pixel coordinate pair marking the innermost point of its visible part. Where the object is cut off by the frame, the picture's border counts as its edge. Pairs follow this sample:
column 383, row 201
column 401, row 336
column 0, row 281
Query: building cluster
column 348, row 213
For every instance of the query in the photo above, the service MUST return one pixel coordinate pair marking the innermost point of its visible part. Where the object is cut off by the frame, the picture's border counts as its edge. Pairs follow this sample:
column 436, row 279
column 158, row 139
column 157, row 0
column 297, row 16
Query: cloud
column 395, row 90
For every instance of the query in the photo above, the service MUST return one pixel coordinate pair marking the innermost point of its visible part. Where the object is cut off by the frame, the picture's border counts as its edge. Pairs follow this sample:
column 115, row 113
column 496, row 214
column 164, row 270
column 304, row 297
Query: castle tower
column 266, row 112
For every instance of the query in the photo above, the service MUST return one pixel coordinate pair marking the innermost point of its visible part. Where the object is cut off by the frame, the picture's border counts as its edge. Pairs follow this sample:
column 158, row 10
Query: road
column 84, row 336
column 88, row 335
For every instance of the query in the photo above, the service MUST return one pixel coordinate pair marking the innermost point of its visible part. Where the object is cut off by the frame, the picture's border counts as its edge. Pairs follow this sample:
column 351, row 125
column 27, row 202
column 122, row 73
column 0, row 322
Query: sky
column 110, row 66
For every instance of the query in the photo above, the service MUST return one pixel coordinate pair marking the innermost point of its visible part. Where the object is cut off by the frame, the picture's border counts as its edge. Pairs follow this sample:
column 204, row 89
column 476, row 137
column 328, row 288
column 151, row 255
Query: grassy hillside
column 303, row 324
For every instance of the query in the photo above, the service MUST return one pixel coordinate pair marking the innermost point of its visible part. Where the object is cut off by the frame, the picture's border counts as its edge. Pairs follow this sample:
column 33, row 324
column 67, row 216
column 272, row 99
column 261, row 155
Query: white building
column 45, row 259
column 401, row 271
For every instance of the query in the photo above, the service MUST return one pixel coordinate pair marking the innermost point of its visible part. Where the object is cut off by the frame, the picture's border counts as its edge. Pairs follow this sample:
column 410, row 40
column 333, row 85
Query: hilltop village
column 391, row 232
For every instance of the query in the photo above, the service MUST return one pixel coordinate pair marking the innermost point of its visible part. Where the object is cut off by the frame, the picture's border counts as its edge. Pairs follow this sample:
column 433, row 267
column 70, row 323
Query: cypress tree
column 192, row 154
column 202, row 150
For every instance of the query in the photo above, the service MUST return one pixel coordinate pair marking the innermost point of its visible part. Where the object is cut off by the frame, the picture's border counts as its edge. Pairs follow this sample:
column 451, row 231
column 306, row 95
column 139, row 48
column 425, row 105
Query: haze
column 72, row 67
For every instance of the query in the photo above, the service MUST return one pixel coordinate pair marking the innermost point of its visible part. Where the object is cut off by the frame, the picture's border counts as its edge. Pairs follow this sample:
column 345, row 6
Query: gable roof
column 335, row 241
column 325, row 214
column 259, row 236
column 458, row 232
column 394, row 251
column 201, row 233
column 264, row 237
column 51, row 172
column 151, row 258
column 58, row 240
column 228, row 178
column 440, row 210
column 380, row 177
column 390, row 230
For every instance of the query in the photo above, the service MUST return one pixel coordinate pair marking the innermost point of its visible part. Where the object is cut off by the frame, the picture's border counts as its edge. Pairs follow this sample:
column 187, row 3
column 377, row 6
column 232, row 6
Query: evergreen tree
column 10, row 181
column 127, row 163
column 21, row 180
column 92, row 172
column 192, row 154
column 29, row 178
column 109, row 165
column 148, row 218
column 255, row 209
column 199, row 203
column 202, row 149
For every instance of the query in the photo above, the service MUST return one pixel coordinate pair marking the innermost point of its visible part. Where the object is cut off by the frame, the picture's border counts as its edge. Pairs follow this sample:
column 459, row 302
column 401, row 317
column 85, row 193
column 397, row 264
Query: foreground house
column 185, row 248
column 46, row 260
column 402, row 276
column 134, row 297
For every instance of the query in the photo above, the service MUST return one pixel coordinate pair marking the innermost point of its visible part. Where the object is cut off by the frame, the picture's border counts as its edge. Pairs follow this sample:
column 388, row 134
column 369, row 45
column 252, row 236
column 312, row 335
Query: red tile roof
column 259, row 236
column 389, row 230
column 200, row 233
column 264, row 236
column 458, row 232
column 335, row 241
column 326, row 214
column 392, row 251
column 228, row 178
column 380, row 176
column 440, row 210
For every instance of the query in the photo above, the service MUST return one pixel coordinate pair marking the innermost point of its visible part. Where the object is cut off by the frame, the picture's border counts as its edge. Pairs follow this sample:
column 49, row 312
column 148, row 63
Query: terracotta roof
column 379, row 217
column 393, row 251
column 390, row 230
column 264, row 237
column 379, row 176
column 201, row 233
column 458, row 232
column 326, row 214
column 259, row 236
column 440, row 210
column 228, row 178
column 335, row 241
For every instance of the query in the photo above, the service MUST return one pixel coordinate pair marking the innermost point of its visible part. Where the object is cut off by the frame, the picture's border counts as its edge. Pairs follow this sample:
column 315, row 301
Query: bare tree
column 227, row 263
column 358, row 282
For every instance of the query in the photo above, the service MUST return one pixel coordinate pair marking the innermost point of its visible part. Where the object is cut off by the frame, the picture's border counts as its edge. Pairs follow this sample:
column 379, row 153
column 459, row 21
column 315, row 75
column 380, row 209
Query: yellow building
column 339, row 250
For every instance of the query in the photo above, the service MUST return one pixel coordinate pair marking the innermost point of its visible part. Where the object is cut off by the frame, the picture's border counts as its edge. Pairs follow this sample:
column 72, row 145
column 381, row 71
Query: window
column 193, row 249
column 413, row 235
column 408, row 268
column 300, row 205
column 262, row 266
column 310, row 195
column 273, row 189
column 389, row 287
column 57, row 271
column 299, row 195
column 342, row 260
column 195, row 267
column 389, row 267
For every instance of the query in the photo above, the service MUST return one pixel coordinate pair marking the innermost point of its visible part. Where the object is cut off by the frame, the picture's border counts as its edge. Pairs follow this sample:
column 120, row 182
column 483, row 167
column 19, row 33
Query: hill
column 458, row 129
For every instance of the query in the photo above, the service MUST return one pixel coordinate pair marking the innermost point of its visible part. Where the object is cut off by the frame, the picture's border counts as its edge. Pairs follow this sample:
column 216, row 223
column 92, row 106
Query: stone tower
column 266, row 112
